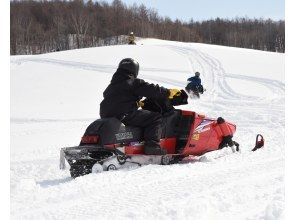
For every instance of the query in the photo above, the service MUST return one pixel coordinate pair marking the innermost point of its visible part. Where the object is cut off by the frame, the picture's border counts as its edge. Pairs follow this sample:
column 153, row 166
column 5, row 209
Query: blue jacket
column 194, row 81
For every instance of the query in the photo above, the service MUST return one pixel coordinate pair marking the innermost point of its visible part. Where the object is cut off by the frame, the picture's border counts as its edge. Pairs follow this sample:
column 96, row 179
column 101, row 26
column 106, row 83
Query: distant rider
column 195, row 84
column 131, row 38
column 122, row 100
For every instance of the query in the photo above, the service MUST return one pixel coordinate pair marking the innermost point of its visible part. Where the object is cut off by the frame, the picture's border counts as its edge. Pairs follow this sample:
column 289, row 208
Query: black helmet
column 130, row 65
column 197, row 74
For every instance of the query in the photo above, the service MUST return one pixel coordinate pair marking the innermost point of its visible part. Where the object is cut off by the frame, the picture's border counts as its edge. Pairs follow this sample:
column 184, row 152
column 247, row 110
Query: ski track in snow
column 217, row 185
column 85, row 66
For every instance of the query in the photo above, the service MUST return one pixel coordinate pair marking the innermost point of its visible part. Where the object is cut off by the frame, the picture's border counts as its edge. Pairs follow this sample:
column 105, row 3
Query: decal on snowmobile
column 125, row 135
column 202, row 127
column 195, row 137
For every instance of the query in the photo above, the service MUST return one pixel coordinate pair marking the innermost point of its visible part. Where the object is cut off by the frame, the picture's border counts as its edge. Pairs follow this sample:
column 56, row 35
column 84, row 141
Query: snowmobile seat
column 112, row 131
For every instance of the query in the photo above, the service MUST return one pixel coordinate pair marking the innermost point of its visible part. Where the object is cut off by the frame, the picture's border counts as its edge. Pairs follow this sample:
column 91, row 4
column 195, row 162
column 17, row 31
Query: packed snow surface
column 55, row 96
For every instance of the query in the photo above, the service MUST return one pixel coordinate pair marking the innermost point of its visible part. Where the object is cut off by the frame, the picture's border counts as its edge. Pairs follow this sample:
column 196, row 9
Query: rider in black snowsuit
column 121, row 100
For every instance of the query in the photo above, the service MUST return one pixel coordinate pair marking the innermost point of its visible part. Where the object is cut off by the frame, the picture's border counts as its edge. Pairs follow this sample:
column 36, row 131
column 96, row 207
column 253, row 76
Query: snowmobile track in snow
column 86, row 66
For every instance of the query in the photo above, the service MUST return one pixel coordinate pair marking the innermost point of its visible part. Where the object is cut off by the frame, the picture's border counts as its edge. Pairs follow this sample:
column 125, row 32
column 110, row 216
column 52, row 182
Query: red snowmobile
column 109, row 145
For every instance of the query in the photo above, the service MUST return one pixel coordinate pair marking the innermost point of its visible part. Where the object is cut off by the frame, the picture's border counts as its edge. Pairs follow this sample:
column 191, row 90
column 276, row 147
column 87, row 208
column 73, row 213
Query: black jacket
column 123, row 93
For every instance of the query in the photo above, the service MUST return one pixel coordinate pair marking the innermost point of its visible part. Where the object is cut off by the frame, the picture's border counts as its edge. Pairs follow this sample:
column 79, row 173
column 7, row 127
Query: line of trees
column 42, row 26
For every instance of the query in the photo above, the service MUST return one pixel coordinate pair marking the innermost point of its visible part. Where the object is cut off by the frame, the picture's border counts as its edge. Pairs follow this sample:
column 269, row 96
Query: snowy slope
column 55, row 96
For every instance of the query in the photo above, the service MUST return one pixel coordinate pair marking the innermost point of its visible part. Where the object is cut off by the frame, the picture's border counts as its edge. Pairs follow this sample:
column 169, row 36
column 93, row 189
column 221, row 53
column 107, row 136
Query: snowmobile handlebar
column 164, row 105
column 181, row 99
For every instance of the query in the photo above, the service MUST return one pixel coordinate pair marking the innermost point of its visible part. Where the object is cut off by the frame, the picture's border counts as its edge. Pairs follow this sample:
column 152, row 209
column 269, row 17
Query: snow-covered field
column 55, row 96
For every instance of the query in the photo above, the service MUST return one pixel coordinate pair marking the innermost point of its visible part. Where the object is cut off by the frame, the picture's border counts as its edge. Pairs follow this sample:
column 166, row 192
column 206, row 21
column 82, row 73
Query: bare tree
column 43, row 26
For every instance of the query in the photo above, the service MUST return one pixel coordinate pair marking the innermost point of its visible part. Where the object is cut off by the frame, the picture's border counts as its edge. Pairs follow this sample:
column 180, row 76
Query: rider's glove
column 140, row 104
column 174, row 92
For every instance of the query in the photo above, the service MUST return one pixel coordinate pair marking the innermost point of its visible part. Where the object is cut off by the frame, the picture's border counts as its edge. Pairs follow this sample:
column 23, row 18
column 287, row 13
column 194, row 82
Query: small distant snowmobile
column 107, row 144
column 194, row 91
column 194, row 88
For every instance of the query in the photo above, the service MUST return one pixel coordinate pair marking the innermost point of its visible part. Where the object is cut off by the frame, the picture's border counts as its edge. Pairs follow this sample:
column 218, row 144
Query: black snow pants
column 149, row 121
